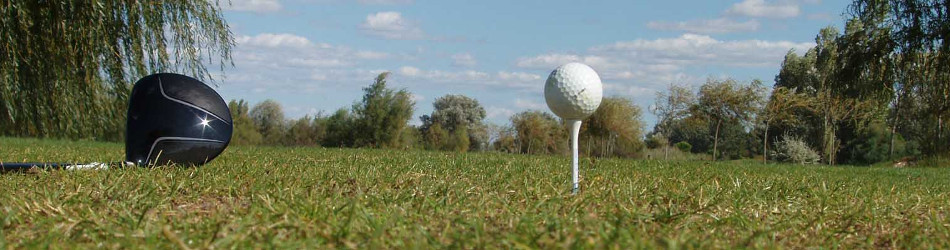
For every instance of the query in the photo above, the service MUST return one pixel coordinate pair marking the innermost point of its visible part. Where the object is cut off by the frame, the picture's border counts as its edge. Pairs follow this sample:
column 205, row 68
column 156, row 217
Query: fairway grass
column 259, row 197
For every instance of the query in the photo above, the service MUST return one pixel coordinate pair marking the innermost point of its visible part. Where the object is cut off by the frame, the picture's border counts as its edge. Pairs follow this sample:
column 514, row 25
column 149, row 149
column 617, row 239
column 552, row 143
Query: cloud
column 464, row 60
column 710, row 26
column 508, row 80
column 284, row 62
column 259, row 6
column 275, row 41
column 639, row 68
column 621, row 59
column 494, row 112
column 391, row 25
column 760, row 8
column 409, row 71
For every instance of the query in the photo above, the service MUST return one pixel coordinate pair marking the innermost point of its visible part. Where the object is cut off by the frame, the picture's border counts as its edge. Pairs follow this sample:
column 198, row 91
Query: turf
column 261, row 197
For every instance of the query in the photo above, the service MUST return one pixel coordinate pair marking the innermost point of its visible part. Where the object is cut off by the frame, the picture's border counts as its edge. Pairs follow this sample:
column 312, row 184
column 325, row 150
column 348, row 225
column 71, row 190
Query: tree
column 454, row 112
column 780, row 109
column 539, row 133
column 726, row 101
column 436, row 137
column 268, row 117
column 339, row 129
column 504, row 139
column 66, row 67
column 245, row 133
column 672, row 106
column 915, row 33
column 382, row 115
column 305, row 131
column 617, row 125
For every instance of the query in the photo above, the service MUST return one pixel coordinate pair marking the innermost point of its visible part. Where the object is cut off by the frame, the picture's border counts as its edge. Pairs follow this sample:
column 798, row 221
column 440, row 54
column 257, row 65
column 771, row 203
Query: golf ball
column 573, row 91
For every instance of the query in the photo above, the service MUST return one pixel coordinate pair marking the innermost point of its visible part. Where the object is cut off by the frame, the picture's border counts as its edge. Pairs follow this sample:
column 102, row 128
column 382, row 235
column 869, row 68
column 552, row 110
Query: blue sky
column 317, row 55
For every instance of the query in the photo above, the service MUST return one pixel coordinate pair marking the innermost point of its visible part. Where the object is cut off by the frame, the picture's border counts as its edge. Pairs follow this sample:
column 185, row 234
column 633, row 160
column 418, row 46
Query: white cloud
column 409, row 71
column 640, row 68
column 259, row 6
column 508, row 80
column 710, row 26
column 622, row 59
column 286, row 62
column 276, row 40
column 463, row 59
column 760, row 8
column 416, row 97
column 391, row 25
column 498, row 113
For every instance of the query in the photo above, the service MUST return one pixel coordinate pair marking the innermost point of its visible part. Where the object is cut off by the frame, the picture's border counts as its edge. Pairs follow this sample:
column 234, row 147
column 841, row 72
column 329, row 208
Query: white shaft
column 575, row 130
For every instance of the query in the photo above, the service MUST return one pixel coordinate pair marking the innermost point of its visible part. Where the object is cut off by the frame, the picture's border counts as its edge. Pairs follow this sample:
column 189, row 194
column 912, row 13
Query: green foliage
column 683, row 146
column 436, row 138
column 656, row 140
column 539, row 133
column 66, row 67
column 268, row 118
column 616, row 128
column 339, row 129
column 379, row 119
column 727, row 102
column 873, row 145
column 506, row 140
column 459, row 141
column 455, row 112
column 319, row 198
column 245, row 132
column 305, row 131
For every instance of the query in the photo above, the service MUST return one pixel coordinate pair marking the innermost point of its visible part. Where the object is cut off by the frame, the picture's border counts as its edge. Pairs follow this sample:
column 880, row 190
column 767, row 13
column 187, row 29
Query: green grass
column 361, row 198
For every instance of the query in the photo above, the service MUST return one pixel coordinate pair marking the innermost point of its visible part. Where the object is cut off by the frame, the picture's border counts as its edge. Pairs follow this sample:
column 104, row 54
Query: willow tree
column 919, row 30
column 66, row 67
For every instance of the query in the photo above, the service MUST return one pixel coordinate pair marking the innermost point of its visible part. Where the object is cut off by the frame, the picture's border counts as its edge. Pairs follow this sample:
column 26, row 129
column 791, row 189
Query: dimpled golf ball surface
column 573, row 91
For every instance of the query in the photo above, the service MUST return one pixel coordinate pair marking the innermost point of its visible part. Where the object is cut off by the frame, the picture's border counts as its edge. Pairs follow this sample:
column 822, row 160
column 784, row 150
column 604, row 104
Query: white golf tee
column 575, row 130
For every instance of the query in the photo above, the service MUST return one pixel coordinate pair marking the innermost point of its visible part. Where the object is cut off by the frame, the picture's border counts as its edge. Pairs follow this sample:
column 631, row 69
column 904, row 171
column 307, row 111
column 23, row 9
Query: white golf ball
column 573, row 91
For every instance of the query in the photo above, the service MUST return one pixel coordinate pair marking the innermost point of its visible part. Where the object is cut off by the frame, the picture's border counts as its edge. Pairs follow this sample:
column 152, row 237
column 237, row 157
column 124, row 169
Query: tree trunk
column 666, row 149
column 939, row 132
column 765, row 144
column 897, row 118
column 716, row 139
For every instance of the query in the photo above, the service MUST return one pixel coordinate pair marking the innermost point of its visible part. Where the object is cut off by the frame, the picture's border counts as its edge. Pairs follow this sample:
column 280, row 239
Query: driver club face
column 175, row 119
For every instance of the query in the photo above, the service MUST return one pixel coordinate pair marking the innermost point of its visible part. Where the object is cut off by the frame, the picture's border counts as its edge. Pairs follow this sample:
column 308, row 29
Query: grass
column 261, row 197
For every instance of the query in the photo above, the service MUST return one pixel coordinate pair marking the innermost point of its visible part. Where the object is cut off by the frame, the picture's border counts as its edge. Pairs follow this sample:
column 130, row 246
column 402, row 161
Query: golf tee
column 575, row 130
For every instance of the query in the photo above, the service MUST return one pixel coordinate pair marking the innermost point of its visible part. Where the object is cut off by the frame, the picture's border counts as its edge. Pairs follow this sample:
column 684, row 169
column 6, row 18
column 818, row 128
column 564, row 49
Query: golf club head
column 175, row 119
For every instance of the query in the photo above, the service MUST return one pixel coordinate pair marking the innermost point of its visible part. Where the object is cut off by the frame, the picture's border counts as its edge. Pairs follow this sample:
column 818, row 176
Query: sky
column 316, row 56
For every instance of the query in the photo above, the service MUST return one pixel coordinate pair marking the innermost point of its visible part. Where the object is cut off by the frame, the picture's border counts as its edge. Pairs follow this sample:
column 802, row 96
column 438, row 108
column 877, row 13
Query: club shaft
column 5, row 166
column 20, row 166
column 575, row 131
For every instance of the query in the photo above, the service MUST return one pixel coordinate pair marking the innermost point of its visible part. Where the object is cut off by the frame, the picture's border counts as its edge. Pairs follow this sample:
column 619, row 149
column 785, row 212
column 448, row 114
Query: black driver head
column 175, row 119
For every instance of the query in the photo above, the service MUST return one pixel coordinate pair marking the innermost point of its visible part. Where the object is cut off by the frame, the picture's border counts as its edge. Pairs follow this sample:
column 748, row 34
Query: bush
column 683, row 146
column 794, row 149
column 656, row 140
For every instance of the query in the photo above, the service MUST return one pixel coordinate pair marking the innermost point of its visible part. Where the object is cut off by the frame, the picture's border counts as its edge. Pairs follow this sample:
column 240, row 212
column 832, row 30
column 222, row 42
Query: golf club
column 172, row 119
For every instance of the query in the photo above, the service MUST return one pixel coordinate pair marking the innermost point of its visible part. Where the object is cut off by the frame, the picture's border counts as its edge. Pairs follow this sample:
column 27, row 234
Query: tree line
column 457, row 123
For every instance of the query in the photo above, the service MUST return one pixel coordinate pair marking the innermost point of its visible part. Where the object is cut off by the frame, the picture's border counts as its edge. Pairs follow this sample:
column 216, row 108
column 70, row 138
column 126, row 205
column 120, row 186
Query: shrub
column 683, row 146
column 794, row 149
